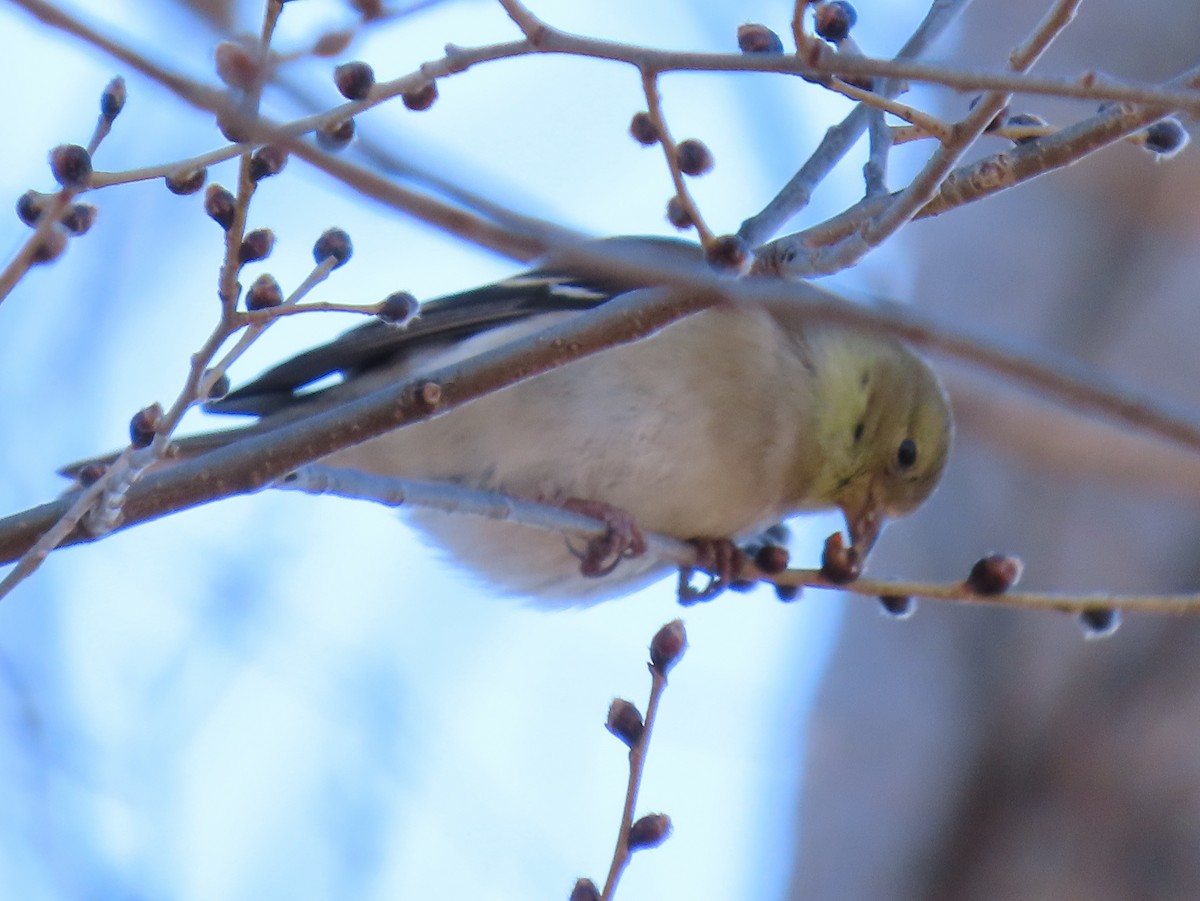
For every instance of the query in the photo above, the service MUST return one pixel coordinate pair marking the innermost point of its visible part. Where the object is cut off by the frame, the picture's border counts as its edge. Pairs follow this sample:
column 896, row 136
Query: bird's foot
column 623, row 539
column 720, row 559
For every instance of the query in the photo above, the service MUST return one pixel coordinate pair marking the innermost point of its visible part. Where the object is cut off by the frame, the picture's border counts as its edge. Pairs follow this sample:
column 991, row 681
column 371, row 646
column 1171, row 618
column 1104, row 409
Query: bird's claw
column 720, row 559
column 623, row 538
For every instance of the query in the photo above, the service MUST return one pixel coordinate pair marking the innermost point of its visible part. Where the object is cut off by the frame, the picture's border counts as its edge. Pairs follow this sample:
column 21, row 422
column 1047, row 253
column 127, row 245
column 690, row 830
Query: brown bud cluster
column 30, row 207
column 237, row 64
column 1100, row 622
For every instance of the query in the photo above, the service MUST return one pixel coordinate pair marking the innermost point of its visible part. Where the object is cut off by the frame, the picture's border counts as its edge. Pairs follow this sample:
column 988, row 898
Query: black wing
column 454, row 317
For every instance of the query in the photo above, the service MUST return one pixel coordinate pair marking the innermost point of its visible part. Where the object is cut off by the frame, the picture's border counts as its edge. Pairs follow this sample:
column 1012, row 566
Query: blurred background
column 281, row 695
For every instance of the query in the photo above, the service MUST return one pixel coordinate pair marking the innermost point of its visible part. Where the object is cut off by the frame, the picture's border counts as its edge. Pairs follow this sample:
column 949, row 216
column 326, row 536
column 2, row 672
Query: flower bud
column 694, row 158
column 422, row 98
column 649, row 831
column 625, row 722
column 184, row 183
column 788, row 593
column 643, row 129
column 772, row 559
column 585, row 890
column 337, row 136
column 897, row 606
column 333, row 43
column 994, row 574
column 257, row 245
column 729, row 253
column 219, row 204
column 264, row 294
column 1165, row 138
column 678, row 215
column 30, row 207
column 1099, row 622
column 112, row 99
column 354, row 80
column 398, row 308
column 78, row 218
column 71, row 165
column 333, row 243
column 755, row 38
column 668, row 646
column 834, row 20
column 267, row 160
column 144, row 424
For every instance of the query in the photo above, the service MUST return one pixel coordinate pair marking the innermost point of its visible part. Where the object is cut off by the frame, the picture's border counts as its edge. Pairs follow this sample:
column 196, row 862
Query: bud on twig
column 643, row 129
column 994, row 574
column 78, row 218
column 668, row 646
column 728, row 253
column 755, row 38
column 220, row 205
column 694, row 158
column 30, row 207
column 144, row 424
column 1100, row 622
column 333, row 243
column 897, row 606
column 112, row 99
column 398, row 308
column 422, row 98
column 257, row 245
column 585, row 890
column 649, row 831
column 184, row 183
column 71, row 165
column 677, row 214
column 337, row 136
column 267, row 160
column 264, row 294
column 625, row 722
column 834, row 20
column 354, row 80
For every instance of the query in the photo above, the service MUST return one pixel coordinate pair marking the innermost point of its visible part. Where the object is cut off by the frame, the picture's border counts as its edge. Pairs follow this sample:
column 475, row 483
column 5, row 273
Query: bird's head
column 886, row 432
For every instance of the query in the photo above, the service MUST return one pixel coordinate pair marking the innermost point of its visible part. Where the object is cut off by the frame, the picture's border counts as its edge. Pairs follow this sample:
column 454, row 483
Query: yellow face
column 886, row 428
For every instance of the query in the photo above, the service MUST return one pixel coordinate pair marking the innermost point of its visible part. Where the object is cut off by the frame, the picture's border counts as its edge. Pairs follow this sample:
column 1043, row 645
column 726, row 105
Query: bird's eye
column 906, row 454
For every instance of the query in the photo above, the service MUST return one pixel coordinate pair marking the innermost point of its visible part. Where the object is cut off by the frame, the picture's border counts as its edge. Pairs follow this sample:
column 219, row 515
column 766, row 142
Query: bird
column 714, row 427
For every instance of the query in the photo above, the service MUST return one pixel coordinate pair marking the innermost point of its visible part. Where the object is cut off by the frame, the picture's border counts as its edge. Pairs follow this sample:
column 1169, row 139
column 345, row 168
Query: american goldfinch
column 716, row 426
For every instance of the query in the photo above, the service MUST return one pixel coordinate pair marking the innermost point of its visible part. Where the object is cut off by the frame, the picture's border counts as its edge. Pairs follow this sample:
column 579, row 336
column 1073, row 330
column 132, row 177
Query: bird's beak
column 864, row 520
